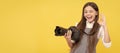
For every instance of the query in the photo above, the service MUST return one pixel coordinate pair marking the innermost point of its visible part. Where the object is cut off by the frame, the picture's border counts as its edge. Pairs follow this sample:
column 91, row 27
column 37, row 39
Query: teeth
column 89, row 17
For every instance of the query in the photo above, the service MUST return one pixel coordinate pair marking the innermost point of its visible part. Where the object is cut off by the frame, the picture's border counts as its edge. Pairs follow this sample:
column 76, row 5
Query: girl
column 91, row 31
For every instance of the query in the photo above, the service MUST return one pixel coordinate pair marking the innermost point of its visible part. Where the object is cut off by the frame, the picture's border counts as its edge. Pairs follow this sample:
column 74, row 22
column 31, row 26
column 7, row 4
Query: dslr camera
column 60, row 31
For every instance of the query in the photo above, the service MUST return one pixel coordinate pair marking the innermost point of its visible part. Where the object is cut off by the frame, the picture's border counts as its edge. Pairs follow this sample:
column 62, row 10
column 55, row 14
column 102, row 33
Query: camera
column 60, row 31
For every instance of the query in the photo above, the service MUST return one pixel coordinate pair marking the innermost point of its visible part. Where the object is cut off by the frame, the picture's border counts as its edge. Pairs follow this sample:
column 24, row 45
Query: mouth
column 90, row 17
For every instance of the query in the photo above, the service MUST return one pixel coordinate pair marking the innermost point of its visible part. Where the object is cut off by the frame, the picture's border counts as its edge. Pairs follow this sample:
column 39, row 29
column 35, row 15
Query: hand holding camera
column 71, row 33
column 68, row 36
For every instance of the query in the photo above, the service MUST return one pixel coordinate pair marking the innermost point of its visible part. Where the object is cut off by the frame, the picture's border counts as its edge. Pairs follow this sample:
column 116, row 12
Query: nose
column 88, row 14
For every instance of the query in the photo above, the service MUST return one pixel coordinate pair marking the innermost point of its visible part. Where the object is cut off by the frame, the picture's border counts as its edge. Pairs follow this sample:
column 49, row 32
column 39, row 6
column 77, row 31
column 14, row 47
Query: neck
column 90, row 22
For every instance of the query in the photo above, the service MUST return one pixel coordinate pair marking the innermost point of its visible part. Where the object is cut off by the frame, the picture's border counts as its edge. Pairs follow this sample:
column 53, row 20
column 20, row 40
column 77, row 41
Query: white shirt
column 100, row 33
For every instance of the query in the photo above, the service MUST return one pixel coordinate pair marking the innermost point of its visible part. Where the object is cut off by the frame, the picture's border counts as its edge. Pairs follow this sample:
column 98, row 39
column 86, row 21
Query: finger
column 68, row 32
column 103, row 17
column 65, row 35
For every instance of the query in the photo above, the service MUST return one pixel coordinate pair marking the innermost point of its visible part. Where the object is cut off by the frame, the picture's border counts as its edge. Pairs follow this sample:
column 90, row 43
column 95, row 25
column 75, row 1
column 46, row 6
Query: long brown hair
column 93, row 33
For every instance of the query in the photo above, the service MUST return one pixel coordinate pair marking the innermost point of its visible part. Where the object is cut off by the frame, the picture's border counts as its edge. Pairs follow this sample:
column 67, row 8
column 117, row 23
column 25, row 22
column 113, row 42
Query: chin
column 90, row 21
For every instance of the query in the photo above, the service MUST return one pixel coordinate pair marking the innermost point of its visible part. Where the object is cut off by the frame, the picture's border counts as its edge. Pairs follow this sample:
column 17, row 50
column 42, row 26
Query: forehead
column 89, row 8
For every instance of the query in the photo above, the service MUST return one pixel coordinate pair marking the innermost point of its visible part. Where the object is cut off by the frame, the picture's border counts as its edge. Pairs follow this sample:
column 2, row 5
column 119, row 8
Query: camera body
column 60, row 31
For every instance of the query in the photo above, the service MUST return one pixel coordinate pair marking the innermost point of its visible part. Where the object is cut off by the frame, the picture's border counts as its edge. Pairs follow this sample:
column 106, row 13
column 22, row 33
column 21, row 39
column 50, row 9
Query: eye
column 85, row 11
column 91, row 11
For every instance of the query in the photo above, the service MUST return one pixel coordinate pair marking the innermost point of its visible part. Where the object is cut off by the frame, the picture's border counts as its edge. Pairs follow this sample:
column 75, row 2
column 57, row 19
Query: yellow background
column 27, row 26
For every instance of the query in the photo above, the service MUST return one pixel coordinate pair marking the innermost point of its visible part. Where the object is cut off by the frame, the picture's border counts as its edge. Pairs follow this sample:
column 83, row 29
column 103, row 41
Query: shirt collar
column 89, row 25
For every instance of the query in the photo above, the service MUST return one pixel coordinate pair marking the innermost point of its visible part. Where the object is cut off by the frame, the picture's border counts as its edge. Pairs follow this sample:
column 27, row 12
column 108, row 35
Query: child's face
column 89, row 14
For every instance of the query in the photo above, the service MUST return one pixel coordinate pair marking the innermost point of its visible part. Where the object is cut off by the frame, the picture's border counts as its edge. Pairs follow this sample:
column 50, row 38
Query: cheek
column 85, row 14
column 94, row 15
column 93, row 18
